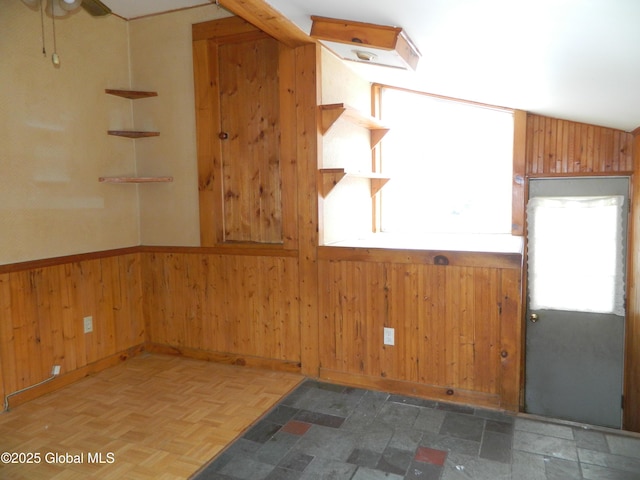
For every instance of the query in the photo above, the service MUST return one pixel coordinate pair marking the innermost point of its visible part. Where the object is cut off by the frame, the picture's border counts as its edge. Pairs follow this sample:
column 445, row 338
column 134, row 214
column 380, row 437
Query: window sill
column 490, row 243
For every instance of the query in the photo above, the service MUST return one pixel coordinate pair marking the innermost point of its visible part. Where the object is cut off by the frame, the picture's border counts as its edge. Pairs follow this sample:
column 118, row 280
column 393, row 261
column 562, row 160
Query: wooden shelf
column 135, row 179
column 133, row 95
column 132, row 133
column 331, row 112
column 130, row 94
column 330, row 177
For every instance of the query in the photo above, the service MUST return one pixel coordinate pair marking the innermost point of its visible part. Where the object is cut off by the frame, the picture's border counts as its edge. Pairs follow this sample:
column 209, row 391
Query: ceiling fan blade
column 95, row 8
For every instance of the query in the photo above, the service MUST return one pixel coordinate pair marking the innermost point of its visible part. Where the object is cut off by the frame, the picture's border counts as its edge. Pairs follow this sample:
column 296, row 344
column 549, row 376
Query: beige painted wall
column 161, row 59
column 346, row 211
column 53, row 145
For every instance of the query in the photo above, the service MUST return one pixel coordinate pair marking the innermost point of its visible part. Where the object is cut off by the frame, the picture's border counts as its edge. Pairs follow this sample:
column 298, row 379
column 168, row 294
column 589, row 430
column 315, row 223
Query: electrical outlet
column 389, row 336
column 88, row 324
column 55, row 370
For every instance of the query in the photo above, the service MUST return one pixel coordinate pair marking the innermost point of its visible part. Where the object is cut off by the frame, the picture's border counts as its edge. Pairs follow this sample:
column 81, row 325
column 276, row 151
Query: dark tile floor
column 324, row 431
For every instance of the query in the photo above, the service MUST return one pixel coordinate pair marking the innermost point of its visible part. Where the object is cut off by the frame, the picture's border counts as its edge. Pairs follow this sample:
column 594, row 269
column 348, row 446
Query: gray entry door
column 577, row 231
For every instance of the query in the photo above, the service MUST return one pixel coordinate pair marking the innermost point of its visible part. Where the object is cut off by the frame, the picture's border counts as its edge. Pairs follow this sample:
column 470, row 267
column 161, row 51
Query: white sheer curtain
column 576, row 254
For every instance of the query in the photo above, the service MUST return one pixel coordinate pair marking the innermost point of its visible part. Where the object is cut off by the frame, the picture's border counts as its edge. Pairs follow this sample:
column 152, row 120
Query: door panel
column 574, row 359
column 250, row 121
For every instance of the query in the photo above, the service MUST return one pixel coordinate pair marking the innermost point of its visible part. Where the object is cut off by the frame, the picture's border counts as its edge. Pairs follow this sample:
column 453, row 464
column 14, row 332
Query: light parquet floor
column 152, row 417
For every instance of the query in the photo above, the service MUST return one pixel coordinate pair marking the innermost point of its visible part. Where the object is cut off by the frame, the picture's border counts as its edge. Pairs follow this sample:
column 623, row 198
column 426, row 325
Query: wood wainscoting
column 43, row 304
column 457, row 325
column 238, row 306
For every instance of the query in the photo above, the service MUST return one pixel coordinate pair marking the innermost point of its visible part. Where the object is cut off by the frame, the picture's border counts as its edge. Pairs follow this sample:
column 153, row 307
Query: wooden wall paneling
column 135, row 328
column 400, row 361
column 451, row 325
column 241, row 305
column 308, row 152
column 519, row 172
column 486, row 325
column 512, row 342
column 108, row 314
column 288, row 139
column 15, row 349
column 87, row 278
column 631, row 412
column 8, row 368
column 24, row 296
column 562, row 147
column 209, row 179
column 65, row 303
column 43, row 309
column 432, row 289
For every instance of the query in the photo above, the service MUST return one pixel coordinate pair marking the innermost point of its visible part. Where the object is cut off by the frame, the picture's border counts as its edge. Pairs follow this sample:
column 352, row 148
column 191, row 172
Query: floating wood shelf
column 135, row 179
column 330, row 177
column 132, row 133
column 133, row 95
column 130, row 94
column 331, row 112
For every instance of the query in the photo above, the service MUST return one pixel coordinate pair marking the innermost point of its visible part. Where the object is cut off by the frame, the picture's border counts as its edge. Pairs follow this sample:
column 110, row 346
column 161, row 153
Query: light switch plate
column 389, row 336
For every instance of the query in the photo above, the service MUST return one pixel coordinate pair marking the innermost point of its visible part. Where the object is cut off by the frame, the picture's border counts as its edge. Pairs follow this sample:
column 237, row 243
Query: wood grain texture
column 209, row 170
column 309, row 153
column 269, row 20
column 43, row 310
column 562, row 147
column 631, row 412
column 518, row 184
column 245, row 84
column 234, row 304
column 250, row 117
column 451, row 325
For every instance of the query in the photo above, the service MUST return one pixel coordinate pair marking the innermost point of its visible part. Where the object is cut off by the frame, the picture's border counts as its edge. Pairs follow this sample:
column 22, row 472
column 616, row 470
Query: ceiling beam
column 263, row 16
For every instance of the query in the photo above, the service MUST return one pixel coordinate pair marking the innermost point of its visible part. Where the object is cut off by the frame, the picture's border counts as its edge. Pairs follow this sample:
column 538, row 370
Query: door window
column 576, row 254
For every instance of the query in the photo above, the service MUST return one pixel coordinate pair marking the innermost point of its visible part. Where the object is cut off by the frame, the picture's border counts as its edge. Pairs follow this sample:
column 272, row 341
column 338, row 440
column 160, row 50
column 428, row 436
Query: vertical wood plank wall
column 562, row 147
column 456, row 326
column 242, row 308
column 631, row 411
column 42, row 311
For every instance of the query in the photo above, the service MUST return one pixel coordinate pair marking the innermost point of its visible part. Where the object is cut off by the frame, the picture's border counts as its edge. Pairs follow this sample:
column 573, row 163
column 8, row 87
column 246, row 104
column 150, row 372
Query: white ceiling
column 571, row 59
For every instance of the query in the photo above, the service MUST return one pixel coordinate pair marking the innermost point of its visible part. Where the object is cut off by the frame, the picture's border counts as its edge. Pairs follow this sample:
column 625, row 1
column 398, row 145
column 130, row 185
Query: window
column 450, row 165
column 563, row 232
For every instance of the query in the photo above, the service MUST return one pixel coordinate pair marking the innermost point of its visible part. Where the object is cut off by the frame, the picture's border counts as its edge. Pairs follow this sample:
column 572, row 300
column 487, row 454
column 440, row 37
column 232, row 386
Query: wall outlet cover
column 389, row 336
column 88, row 324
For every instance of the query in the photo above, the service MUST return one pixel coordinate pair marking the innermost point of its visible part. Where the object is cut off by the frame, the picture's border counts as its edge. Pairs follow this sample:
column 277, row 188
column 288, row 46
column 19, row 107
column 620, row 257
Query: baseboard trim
column 226, row 358
column 401, row 387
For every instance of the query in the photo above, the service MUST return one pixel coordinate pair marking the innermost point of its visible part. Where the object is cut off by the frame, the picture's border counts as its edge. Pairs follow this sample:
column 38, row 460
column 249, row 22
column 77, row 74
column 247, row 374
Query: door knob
column 533, row 317
column 223, row 135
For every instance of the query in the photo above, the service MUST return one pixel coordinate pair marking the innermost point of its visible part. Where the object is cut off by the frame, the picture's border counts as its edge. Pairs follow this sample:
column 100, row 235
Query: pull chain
column 44, row 50
column 54, row 57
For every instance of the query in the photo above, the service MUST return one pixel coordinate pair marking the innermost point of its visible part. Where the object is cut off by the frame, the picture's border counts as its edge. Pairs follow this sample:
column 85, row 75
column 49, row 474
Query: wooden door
column 243, row 87
column 250, row 134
